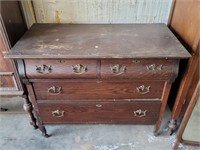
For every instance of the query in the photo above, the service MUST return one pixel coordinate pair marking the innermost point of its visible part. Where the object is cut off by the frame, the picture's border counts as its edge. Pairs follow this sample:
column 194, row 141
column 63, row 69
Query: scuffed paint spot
column 57, row 16
column 77, row 139
column 115, row 147
column 106, row 147
column 86, row 147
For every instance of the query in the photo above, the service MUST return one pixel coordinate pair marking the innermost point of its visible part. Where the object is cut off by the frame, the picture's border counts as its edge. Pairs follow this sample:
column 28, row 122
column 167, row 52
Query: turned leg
column 172, row 126
column 40, row 125
column 29, row 109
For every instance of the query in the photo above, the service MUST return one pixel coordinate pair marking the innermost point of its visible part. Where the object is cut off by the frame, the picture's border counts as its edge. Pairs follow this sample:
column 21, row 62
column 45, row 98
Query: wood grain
column 7, row 81
column 60, row 68
column 98, row 90
column 98, row 41
column 138, row 68
column 100, row 112
column 185, row 22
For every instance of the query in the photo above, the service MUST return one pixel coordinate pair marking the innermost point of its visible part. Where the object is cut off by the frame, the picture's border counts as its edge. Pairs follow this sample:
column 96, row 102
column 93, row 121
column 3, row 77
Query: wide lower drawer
column 136, row 112
column 53, row 68
column 98, row 90
column 160, row 69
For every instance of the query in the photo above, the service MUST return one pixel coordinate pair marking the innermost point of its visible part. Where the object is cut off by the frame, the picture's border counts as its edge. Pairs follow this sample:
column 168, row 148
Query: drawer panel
column 39, row 68
column 7, row 81
column 136, row 112
column 159, row 69
column 98, row 90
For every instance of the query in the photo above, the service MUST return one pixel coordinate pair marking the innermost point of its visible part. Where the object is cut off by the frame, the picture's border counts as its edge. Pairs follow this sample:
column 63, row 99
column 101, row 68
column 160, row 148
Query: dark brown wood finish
column 14, row 22
column 60, row 68
column 97, row 90
column 10, row 84
column 12, row 27
column 98, row 41
column 99, row 112
column 31, row 112
column 98, row 73
column 159, row 69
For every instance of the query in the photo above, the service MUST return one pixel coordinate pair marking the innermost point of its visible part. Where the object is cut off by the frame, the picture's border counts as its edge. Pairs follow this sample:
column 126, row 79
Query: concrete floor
column 17, row 134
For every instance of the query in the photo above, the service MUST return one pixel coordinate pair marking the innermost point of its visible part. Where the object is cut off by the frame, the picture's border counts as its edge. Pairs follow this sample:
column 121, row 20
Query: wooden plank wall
column 99, row 11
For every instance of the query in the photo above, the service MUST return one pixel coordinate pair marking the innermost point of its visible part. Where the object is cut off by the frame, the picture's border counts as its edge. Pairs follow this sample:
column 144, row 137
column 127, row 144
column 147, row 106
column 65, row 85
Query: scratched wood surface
column 102, row 11
column 98, row 41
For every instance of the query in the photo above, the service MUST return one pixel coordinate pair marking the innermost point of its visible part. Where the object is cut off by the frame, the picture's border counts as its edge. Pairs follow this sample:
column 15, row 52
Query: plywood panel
column 186, row 21
column 102, row 11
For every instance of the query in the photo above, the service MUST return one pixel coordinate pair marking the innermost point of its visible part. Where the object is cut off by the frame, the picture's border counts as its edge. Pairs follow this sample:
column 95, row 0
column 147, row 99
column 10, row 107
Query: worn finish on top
column 98, row 41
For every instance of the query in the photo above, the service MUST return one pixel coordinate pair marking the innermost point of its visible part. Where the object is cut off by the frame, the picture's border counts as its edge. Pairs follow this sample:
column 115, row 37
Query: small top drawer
column 52, row 68
column 159, row 69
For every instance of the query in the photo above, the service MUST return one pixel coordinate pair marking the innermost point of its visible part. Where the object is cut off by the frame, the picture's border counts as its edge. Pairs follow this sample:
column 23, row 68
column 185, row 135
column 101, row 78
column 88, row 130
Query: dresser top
column 98, row 41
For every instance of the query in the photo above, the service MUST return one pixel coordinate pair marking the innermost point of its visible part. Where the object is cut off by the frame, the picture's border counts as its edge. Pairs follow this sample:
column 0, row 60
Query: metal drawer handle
column 140, row 113
column 55, row 90
column 143, row 89
column 58, row 113
column 154, row 67
column 118, row 69
column 43, row 69
column 98, row 105
column 79, row 69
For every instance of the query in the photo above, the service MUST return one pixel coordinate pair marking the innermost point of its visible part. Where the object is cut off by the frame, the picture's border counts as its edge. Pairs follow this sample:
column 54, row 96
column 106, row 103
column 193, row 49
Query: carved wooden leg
column 172, row 126
column 28, row 108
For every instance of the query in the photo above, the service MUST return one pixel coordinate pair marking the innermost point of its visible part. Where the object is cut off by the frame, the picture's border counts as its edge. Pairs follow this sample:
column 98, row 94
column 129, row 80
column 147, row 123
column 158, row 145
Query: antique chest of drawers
column 118, row 73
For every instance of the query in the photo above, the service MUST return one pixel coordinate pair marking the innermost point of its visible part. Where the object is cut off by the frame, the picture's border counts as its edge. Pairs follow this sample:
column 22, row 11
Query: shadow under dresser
column 97, row 73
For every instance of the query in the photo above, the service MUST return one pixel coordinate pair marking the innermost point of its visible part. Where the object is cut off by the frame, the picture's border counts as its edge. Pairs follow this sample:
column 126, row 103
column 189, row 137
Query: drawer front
column 159, row 69
column 7, row 82
column 98, row 90
column 61, row 68
column 100, row 112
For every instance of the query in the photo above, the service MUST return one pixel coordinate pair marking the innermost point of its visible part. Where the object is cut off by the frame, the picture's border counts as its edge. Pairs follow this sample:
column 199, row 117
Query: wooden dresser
column 118, row 73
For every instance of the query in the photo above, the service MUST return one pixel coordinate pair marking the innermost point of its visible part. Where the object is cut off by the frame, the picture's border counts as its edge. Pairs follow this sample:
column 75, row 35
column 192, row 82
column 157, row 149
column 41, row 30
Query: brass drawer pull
column 154, row 67
column 79, row 69
column 43, row 69
column 55, row 90
column 58, row 113
column 140, row 113
column 98, row 105
column 118, row 69
column 143, row 89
